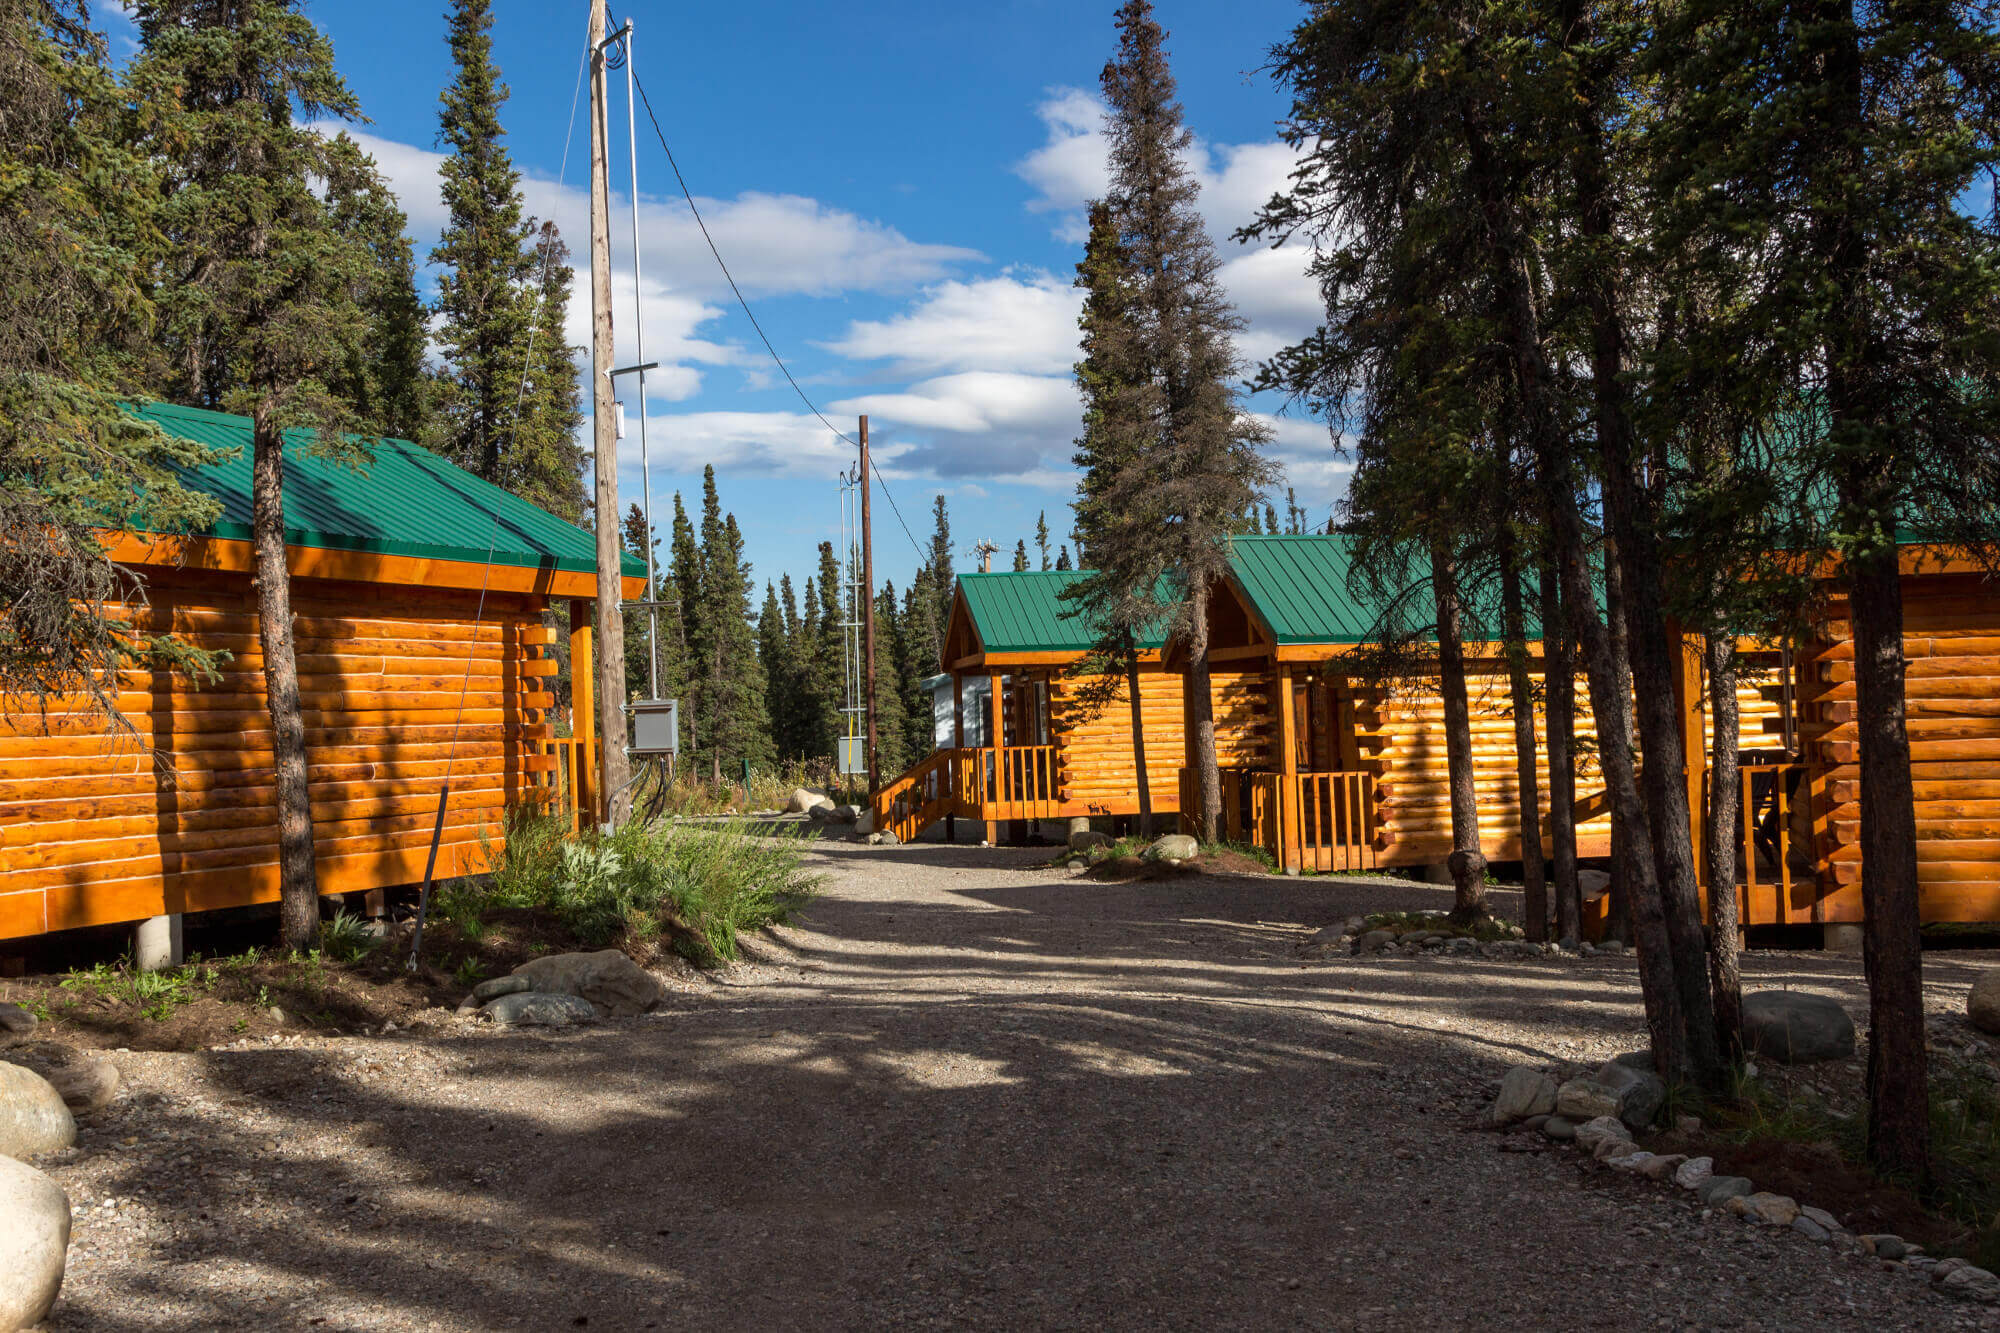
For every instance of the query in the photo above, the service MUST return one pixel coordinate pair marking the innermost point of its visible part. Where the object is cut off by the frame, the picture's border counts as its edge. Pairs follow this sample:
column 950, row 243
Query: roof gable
column 406, row 501
column 1025, row 612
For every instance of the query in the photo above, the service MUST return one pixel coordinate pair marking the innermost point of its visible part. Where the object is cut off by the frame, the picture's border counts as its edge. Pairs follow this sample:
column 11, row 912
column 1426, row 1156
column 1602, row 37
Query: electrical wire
column 779, row 361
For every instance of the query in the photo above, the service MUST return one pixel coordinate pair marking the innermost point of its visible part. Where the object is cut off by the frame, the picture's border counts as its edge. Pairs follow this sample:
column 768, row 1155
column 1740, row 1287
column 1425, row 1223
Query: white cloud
column 1069, row 170
column 777, row 444
column 1014, row 322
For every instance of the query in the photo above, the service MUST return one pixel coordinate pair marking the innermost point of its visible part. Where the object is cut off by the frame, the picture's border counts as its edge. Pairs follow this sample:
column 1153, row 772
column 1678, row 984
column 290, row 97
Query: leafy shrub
column 345, row 938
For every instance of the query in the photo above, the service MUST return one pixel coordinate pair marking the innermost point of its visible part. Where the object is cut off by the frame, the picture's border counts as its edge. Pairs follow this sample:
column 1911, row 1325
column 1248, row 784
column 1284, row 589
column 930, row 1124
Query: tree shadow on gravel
column 1010, row 1106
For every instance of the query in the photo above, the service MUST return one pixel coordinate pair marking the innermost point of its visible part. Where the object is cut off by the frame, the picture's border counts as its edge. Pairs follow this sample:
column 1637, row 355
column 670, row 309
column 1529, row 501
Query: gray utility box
column 853, row 756
column 656, row 726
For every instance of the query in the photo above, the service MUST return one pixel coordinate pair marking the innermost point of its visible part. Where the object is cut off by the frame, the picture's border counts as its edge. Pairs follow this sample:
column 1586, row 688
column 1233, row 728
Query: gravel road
column 961, row 1091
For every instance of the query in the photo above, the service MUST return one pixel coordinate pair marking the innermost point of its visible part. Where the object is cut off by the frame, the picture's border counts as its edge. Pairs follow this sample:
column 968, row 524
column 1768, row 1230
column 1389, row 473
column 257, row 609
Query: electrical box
column 853, row 756
column 656, row 726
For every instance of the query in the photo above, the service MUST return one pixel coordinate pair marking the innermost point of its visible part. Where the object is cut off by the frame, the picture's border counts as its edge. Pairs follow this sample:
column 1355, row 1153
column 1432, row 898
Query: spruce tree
column 892, row 704
column 384, row 376
column 686, row 576
column 257, row 292
column 944, row 581
column 1042, row 537
column 741, row 728
column 914, row 663
column 1021, row 556
column 774, row 657
column 1197, row 465
column 826, row 679
column 1062, row 558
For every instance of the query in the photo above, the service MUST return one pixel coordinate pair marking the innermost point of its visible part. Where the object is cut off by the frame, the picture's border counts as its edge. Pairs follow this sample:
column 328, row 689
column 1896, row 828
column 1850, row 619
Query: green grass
column 701, row 885
column 345, row 938
column 154, row 994
column 1485, row 930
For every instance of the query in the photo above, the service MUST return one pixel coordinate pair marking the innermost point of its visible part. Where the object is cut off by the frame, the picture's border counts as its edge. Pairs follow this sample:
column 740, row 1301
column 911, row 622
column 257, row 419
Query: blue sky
column 898, row 187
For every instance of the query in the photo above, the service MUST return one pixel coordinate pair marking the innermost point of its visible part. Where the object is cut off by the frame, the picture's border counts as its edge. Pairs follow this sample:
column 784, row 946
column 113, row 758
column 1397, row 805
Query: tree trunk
column 1724, row 790
column 1208, row 773
column 1139, row 742
column 298, row 877
column 1619, row 922
column 1559, row 708
column 1468, row 863
column 1534, row 868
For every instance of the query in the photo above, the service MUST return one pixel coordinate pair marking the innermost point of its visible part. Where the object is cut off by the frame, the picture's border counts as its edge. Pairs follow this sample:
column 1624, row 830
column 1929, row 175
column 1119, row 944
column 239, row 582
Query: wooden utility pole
column 613, row 800
column 868, row 608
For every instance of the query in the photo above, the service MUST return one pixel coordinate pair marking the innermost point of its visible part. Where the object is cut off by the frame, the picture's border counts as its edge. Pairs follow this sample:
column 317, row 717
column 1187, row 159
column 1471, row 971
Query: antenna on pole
column 985, row 551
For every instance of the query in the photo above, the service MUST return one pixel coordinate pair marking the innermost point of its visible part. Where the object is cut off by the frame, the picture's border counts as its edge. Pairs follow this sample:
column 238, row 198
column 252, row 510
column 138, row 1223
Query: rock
column 494, row 987
column 1663, row 1166
column 1820, row 1217
column 1982, row 1006
column 1884, row 1246
column 804, row 801
column 1969, row 1283
column 886, row 839
column 1600, row 1131
column 1373, row 940
column 1687, row 1124
column 1587, row 1099
column 1810, row 1229
column 1560, row 1128
column 1082, row 840
column 1765, row 1208
column 607, row 978
column 1462, row 944
column 16, row 1024
column 1524, row 1091
column 1640, row 1092
column 1694, row 1173
column 34, row 1243
column 844, row 814
column 864, row 823
column 1593, row 884
column 33, row 1118
column 1796, row 1027
column 85, row 1084
column 1721, row 1189
column 1534, row 1123
column 1635, row 1161
column 1173, row 847
column 538, row 1009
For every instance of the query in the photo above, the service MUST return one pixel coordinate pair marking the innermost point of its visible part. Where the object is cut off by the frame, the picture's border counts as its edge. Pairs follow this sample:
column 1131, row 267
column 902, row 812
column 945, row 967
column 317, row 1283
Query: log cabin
column 419, row 595
column 1059, row 753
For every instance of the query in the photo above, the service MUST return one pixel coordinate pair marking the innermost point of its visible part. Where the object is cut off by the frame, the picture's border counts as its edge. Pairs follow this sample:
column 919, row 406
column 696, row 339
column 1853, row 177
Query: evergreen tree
column 78, row 209
column 774, row 655
column 818, row 697
column 686, row 577
column 826, row 683
column 1042, row 537
column 384, row 375
column 502, row 297
column 1195, row 463
column 257, row 296
column 913, row 664
column 944, row 581
column 740, row 729
column 1021, row 557
column 1062, row 558
column 892, row 702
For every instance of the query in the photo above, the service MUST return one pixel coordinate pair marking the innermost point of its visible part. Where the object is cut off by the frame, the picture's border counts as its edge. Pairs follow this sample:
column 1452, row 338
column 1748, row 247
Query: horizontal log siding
column 1097, row 765
column 94, row 830
column 1951, row 637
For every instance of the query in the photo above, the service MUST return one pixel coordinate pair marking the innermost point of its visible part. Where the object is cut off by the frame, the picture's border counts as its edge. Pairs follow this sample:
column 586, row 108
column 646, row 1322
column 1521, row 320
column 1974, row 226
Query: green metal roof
column 1025, row 612
column 405, row 501
column 1299, row 587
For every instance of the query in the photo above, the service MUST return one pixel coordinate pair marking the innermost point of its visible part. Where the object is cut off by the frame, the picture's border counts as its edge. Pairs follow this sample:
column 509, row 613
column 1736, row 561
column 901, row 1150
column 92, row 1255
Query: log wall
column 1097, row 764
column 1951, row 638
column 100, row 826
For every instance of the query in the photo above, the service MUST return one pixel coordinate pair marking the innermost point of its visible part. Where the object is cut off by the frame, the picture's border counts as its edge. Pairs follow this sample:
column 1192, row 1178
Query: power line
column 749, row 314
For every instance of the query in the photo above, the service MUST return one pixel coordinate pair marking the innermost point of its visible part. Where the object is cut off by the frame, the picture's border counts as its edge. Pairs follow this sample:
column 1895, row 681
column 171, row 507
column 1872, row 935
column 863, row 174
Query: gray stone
column 1694, row 1173
column 1885, row 1246
column 864, row 823
column 1375, row 939
column 537, row 1009
column 85, row 1084
column 1721, row 1189
column 1635, row 1161
column 1535, row 1122
column 1636, row 1060
column 1082, row 840
column 1982, row 1006
column 1173, row 847
column 1560, row 1128
column 1462, row 944
column 1663, row 1166
column 1587, row 1099
column 494, row 987
column 33, row 1118
column 1796, row 1027
column 16, row 1024
column 1524, row 1091
column 1969, row 1283
column 804, row 801
column 34, row 1244
column 844, row 814
column 1820, row 1217
column 886, row 839
column 1600, row 1132
column 1611, row 946
column 607, row 978
column 1810, row 1229
column 1593, row 884
column 1641, row 1094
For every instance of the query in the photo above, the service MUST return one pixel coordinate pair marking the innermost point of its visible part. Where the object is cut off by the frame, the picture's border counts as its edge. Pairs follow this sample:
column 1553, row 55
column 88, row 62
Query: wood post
column 1291, row 846
column 996, row 719
column 612, row 767
column 868, row 610
column 583, row 714
column 958, row 744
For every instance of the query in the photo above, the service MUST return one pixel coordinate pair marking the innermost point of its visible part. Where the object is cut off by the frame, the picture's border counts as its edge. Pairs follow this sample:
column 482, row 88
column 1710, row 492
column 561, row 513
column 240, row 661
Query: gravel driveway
column 962, row 1091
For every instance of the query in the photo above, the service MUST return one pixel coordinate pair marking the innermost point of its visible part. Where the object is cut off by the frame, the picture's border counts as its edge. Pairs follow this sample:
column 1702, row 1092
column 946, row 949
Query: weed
column 345, row 938
column 154, row 994
column 468, row 971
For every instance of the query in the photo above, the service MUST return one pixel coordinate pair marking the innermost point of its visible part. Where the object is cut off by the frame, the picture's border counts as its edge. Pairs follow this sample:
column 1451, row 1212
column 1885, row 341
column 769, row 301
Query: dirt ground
column 962, row 1091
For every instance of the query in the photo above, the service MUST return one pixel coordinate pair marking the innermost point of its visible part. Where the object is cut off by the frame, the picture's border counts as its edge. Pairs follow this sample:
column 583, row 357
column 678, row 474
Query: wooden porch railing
column 921, row 796
column 1021, row 783
column 1328, row 822
column 562, row 800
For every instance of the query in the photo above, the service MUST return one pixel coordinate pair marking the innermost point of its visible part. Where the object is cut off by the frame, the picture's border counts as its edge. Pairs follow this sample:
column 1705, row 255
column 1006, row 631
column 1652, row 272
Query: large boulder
column 16, row 1024
column 85, row 1083
column 1173, row 847
column 1524, row 1092
column 1582, row 1099
column 33, row 1118
column 805, row 801
column 1795, row 1027
column 34, row 1243
column 1983, row 1005
column 1641, row 1093
column 536, row 1009
column 607, row 978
